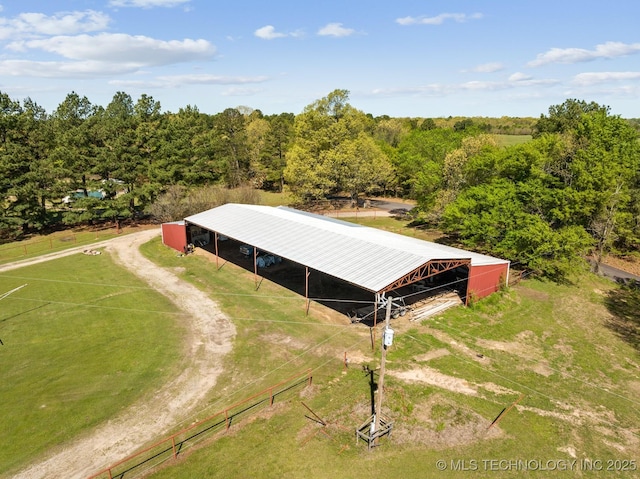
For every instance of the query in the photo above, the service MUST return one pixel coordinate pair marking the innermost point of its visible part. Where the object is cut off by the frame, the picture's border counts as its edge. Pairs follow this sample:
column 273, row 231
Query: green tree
column 359, row 166
column 33, row 180
column 231, row 148
column 494, row 218
column 564, row 118
column 420, row 163
column 322, row 133
column 277, row 143
column 74, row 149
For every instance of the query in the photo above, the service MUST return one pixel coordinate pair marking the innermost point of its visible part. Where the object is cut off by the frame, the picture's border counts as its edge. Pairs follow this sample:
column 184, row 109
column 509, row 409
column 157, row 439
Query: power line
column 563, row 373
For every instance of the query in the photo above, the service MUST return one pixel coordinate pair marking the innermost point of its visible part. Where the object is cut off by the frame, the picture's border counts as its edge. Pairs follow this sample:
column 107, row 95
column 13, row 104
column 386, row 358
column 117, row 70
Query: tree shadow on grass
column 624, row 305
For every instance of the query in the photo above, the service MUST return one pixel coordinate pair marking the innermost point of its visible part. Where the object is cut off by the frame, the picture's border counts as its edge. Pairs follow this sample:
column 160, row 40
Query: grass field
column 553, row 344
column 57, row 241
column 569, row 349
column 82, row 340
column 511, row 140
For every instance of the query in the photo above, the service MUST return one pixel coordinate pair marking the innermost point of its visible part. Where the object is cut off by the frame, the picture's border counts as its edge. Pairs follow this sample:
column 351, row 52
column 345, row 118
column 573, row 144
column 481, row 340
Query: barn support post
column 375, row 310
column 375, row 321
column 215, row 234
column 255, row 266
column 306, row 289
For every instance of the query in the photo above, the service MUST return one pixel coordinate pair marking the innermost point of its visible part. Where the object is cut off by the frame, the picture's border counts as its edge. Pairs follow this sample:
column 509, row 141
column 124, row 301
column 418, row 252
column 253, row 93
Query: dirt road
column 209, row 337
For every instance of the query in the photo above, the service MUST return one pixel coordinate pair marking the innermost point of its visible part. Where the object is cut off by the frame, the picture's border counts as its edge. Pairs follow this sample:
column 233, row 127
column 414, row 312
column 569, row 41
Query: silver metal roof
column 367, row 257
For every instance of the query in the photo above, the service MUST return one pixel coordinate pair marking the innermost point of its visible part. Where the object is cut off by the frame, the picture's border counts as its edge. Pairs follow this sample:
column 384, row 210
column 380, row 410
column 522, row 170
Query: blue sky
column 426, row 58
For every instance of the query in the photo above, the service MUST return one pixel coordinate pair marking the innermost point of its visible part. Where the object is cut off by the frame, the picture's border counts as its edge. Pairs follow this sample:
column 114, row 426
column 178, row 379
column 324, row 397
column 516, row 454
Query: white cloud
column 439, row 19
column 519, row 76
column 147, row 3
column 268, row 32
column 174, row 81
column 443, row 89
column 207, row 79
column 335, row 30
column 577, row 55
column 103, row 55
column 489, row 67
column 25, row 68
column 36, row 24
column 592, row 78
column 122, row 48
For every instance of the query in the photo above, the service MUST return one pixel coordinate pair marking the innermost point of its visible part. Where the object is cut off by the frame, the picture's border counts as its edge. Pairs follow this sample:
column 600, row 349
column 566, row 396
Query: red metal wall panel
column 174, row 235
column 485, row 280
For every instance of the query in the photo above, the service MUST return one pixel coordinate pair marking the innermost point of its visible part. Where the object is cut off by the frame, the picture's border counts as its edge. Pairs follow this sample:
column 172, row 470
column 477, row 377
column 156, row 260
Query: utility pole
column 387, row 338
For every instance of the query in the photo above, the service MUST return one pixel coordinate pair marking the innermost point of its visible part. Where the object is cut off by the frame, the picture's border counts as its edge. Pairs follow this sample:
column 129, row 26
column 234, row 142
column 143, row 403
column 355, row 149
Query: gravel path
column 209, row 336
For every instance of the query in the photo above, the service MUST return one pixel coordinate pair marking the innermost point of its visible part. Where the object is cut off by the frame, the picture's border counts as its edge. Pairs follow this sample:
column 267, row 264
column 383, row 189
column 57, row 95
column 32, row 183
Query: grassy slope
column 82, row 340
column 551, row 343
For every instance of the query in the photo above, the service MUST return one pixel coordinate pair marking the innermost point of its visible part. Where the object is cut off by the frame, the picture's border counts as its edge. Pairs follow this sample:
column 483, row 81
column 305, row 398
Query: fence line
column 170, row 447
column 51, row 244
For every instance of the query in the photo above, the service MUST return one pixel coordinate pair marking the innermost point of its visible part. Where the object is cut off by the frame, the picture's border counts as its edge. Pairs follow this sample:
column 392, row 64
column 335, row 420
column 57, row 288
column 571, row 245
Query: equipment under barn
column 362, row 258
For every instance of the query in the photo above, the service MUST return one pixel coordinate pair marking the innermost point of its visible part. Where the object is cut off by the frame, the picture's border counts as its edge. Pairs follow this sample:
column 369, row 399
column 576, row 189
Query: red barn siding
column 485, row 280
column 174, row 235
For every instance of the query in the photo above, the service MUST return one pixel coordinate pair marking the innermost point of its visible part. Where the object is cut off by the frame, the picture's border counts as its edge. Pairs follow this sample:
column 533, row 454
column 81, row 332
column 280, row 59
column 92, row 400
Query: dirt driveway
column 209, row 336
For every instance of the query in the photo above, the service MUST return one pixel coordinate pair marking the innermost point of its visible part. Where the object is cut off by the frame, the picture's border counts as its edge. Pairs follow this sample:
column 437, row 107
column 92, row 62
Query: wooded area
column 573, row 189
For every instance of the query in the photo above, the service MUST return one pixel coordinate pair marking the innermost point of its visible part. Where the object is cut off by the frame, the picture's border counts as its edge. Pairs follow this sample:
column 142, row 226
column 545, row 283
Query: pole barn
column 373, row 260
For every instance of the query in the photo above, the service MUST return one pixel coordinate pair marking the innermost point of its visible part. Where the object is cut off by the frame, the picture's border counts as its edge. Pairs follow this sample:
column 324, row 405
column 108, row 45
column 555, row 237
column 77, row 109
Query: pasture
column 557, row 346
column 512, row 140
column 565, row 352
column 82, row 340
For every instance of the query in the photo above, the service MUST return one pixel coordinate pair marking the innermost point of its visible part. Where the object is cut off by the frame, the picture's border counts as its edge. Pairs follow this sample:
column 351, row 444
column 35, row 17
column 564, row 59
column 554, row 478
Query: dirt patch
column 434, row 377
column 497, row 389
column 437, row 353
column 440, row 424
column 209, row 336
column 542, row 369
column 456, row 345
column 517, row 348
column 284, row 341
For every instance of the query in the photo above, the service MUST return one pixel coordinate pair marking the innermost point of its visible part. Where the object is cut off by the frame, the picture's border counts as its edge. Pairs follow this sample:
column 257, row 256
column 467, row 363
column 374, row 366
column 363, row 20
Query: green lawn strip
column 396, row 225
column 51, row 243
column 82, row 340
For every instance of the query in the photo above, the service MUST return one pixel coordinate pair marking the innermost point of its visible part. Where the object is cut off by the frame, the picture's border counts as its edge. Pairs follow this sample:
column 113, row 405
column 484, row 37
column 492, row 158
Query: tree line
column 574, row 188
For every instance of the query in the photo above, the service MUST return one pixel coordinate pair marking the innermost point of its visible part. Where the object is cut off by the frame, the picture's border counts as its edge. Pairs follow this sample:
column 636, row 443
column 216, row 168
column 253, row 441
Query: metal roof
column 367, row 257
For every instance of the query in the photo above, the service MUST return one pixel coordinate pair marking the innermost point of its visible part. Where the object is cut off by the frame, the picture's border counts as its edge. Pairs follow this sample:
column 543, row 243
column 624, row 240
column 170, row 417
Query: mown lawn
column 83, row 339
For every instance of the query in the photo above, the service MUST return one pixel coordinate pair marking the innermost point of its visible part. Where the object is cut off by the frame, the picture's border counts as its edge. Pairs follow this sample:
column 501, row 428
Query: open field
column 569, row 349
column 82, row 340
column 448, row 379
column 511, row 140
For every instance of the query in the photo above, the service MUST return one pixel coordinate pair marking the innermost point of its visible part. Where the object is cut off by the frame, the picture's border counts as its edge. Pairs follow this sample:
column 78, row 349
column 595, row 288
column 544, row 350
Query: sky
column 402, row 58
